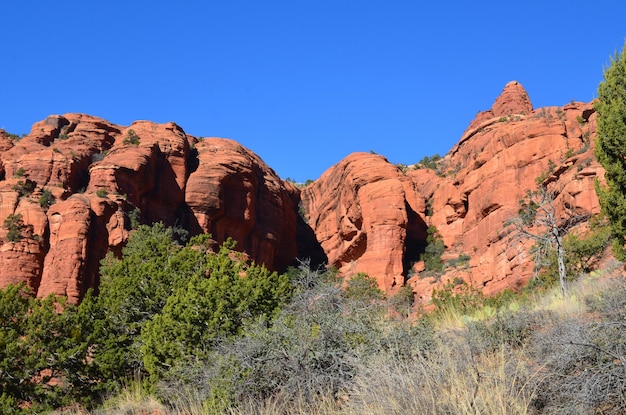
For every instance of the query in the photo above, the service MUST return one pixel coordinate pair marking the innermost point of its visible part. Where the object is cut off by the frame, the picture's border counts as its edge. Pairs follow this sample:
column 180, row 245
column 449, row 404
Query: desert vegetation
column 186, row 327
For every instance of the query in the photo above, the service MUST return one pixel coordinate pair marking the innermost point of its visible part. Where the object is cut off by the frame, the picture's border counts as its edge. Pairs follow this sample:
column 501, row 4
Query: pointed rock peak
column 512, row 100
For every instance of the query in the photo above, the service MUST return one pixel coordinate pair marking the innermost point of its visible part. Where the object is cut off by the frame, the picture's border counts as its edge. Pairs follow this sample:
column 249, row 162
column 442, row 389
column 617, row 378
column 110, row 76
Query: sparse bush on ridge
column 429, row 162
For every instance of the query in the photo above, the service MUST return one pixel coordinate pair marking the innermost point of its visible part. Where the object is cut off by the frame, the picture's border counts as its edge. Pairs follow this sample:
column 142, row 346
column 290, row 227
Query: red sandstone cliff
column 371, row 217
column 98, row 172
column 362, row 215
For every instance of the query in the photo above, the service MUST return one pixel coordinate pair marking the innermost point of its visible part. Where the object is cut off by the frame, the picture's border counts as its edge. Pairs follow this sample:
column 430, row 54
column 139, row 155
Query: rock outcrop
column 68, row 191
column 371, row 217
column 363, row 212
column 232, row 193
column 70, row 186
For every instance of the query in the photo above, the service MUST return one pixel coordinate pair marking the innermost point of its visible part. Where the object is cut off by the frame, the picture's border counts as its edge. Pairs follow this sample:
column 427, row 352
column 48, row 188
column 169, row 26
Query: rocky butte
column 370, row 216
column 73, row 185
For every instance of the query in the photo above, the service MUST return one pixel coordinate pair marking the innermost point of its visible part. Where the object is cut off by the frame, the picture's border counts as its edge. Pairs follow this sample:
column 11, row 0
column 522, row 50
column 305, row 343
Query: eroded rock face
column 92, row 173
column 232, row 193
column 370, row 217
column 363, row 214
column 364, row 217
column 490, row 170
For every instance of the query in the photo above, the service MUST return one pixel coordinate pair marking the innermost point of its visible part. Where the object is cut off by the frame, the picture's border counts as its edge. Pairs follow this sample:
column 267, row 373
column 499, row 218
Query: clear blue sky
column 301, row 83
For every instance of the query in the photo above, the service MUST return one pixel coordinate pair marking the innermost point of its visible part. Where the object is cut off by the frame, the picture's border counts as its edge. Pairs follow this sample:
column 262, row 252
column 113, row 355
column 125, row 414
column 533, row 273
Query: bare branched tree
column 540, row 220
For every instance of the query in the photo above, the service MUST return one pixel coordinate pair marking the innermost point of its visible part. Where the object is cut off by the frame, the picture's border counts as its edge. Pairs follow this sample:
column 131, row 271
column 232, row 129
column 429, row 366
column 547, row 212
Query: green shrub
column 14, row 226
column 134, row 217
column 402, row 301
column 458, row 296
column 429, row 162
column 131, row 138
column 20, row 172
column 461, row 261
column 433, row 251
column 313, row 348
column 39, row 344
column 362, row 287
column 582, row 254
column 205, row 309
column 101, row 193
column 46, row 199
column 24, row 187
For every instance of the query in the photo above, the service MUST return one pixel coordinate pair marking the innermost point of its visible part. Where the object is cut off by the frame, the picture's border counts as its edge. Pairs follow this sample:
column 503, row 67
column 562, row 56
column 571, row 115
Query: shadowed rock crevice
column 415, row 242
column 309, row 247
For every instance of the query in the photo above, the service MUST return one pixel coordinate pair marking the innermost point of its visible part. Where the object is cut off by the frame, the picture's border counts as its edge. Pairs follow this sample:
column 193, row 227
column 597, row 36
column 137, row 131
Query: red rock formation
column 232, row 193
column 489, row 171
column 21, row 256
column 98, row 171
column 512, row 101
column 370, row 217
column 367, row 215
column 363, row 214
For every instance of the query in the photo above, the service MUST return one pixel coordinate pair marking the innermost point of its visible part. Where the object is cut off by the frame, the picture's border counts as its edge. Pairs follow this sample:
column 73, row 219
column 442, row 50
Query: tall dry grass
column 553, row 355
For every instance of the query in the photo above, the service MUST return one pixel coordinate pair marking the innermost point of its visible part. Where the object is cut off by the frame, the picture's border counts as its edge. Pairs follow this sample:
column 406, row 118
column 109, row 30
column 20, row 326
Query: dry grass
column 510, row 364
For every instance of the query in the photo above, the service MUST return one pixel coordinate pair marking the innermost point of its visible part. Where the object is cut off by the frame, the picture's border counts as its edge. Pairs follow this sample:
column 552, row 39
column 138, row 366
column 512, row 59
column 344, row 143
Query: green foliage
column 363, row 288
column 131, row 137
column 163, row 302
column 461, row 261
column 207, row 308
column 20, row 172
column 15, row 137
column 402, row 167
column 24, row 187
column 429, row 162
column 43, row 352
column 527, row 211
column 458, row 296
column 582, row 253
column 611, row 148
column 428, row 203
column 14, row 226
column 302, row 212
column 433, row 251
column 101, row 193
column 543, row 176
column 46, row 199
column 133, row 290
column 134, row 217
column 314, row 347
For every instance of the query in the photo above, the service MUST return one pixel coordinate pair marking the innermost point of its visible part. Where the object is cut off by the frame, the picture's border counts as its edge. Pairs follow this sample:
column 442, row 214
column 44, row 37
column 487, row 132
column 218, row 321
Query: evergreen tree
column 611, row 148
column 43, row 353
column 133, row 289
column 211, row 306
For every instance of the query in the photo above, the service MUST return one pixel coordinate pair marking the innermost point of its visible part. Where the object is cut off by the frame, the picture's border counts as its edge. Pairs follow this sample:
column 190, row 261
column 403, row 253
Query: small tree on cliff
column 540, row 220
column 611, row 149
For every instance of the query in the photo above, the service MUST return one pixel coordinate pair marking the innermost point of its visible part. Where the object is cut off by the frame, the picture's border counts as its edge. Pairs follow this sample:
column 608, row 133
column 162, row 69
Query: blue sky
column 301, row 83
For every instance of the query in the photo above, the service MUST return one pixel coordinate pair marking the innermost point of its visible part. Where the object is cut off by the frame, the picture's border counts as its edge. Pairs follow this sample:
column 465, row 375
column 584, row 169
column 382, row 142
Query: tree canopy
column 611, row 148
